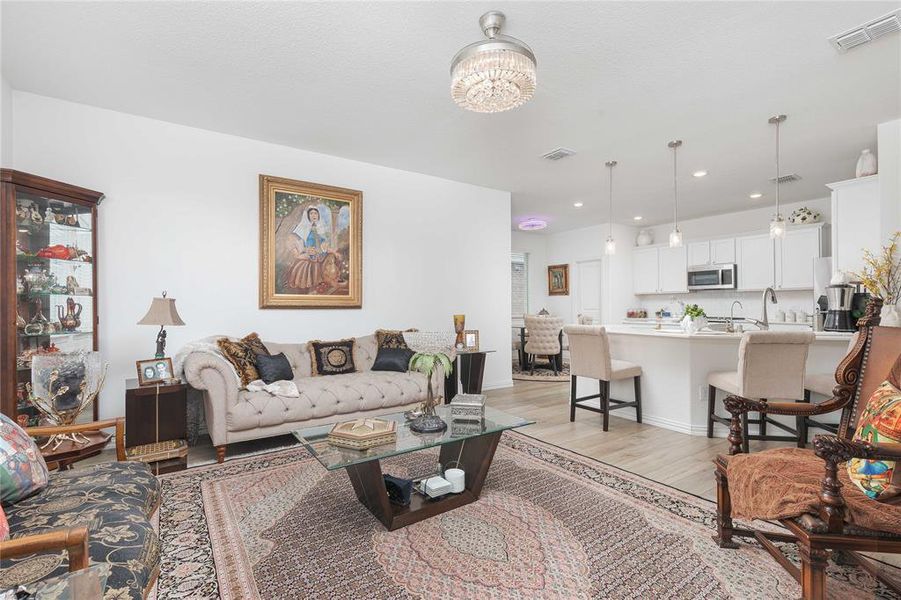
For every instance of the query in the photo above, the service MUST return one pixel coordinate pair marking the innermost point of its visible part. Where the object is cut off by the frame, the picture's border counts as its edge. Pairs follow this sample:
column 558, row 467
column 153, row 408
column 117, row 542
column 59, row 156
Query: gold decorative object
column 363, row 434
column 62, row 387
column 157, row 451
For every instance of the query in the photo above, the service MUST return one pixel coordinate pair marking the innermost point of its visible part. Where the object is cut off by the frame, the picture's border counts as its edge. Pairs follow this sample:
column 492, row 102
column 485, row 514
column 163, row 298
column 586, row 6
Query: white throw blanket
column 205, row 347
column 285, row 389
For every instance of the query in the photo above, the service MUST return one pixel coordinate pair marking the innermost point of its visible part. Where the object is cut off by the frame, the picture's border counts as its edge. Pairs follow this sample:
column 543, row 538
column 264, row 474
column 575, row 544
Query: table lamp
column 162, row 312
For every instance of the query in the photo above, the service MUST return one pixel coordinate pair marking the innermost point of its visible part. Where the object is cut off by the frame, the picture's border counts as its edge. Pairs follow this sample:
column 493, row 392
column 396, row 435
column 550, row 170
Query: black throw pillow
column 393, row 359
column 274, row 368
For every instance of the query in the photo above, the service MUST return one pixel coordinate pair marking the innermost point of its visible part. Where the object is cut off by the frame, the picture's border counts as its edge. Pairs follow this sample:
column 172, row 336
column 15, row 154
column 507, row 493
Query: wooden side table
column 68, row 453
column 155, row 414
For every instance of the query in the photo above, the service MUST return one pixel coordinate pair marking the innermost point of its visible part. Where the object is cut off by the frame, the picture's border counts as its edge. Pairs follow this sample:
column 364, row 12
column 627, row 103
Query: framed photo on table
column 471, row 340
column 154, row 371
column 558, row 280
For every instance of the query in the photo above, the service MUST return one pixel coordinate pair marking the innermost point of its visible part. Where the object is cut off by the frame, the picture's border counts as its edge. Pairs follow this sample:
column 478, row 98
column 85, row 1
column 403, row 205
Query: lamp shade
column 162, row 312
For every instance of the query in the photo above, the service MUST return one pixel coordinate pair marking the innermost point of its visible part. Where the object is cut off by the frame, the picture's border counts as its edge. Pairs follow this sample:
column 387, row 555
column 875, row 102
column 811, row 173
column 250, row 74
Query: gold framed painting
column 311, row 245
column 558, row 280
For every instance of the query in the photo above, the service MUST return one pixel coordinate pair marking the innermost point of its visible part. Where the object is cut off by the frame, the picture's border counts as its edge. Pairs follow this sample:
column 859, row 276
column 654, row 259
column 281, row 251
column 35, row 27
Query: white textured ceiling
column 369, row 81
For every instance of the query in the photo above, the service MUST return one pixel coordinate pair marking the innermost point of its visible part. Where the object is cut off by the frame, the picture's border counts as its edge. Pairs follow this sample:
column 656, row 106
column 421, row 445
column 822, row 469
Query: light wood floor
column 675, row 459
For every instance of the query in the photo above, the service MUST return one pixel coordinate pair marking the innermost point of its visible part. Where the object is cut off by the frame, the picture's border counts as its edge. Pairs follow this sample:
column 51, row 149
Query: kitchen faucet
column 730, row 327
column 764, row 323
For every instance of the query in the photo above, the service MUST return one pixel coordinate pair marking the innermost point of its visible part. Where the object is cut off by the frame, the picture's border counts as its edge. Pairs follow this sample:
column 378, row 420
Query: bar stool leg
column 638, row 399
column 532, row 365
column 605, row 403
column 745, row 443
column 711, row 407
column 572, row 399
column 762, row 417
column 801, row 423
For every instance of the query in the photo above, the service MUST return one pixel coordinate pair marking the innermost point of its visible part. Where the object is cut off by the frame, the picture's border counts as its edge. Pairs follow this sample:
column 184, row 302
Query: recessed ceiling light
column 700, row 173
column 532, row 224
column 578, row 204
column 755, row 195
column 637, row 218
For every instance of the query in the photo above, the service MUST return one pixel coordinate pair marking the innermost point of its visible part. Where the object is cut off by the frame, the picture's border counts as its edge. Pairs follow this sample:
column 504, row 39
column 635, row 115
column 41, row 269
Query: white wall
column 6, row 124
column 181, row 214
column 889, row 157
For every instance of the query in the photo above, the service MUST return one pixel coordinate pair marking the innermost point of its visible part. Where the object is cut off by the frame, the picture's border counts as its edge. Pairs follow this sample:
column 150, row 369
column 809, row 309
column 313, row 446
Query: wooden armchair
column 824, row 530
column 73, row 539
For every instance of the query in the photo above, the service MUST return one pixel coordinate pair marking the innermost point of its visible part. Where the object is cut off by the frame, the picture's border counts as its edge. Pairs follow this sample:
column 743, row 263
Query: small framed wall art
column 558, row 280
column 154, row 371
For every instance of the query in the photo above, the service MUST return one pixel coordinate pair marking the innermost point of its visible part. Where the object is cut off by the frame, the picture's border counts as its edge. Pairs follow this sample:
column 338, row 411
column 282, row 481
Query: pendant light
column 777, row 225
column 675, row 236
column 610, row 244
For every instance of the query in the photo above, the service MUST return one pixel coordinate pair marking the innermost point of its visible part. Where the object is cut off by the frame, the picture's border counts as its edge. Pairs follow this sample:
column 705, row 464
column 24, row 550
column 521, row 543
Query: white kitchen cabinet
column 755, row 256
column 645, row 271
column 795, row 254
column 673, row 264
column 698, row 253
column 722, row 251
column 858, row 221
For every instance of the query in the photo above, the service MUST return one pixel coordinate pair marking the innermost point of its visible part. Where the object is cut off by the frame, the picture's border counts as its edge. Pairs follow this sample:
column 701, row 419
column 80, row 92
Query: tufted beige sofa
column 234, row 414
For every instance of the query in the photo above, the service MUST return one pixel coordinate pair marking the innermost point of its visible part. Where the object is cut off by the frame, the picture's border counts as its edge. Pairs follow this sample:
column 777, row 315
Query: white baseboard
column 497, row 385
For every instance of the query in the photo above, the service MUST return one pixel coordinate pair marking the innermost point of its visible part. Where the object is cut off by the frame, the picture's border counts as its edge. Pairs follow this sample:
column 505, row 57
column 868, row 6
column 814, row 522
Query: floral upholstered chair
column 97, row 514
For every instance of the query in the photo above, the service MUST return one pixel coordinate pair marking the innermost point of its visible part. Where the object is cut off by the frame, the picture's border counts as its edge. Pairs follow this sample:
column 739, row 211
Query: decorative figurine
column 71, row 284
column 36, row 217
column 48, row 215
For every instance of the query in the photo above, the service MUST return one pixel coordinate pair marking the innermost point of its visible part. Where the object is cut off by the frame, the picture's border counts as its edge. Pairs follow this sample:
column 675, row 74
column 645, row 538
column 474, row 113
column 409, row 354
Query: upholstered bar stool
column 822, row 384
column 770, row 365
column 544, row 339
column 589, row 349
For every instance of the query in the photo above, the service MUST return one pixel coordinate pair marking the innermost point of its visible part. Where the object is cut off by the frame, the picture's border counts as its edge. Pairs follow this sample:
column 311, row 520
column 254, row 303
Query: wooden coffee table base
column 473, row 455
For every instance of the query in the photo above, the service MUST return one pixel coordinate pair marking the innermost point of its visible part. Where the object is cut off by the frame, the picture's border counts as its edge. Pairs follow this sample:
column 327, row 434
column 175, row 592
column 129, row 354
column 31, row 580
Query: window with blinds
column 519, row 271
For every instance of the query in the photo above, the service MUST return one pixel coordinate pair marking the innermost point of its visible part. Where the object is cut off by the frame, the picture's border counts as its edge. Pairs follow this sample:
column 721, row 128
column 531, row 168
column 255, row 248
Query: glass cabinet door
column 54, row 284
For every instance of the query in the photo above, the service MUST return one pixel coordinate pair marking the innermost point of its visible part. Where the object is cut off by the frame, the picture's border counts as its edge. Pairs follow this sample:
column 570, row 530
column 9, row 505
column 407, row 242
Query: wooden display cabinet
column 48, row 279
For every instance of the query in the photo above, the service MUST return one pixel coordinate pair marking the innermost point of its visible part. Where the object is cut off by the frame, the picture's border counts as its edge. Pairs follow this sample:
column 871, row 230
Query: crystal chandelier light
column 610, row 245
column 495, row 74
column 777, row 225
column 675, row 236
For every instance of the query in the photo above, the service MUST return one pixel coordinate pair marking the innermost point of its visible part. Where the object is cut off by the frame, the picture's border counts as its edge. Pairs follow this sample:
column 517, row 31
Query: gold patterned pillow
column 242, row 358
column 391, row 338
column 256, row 344
column 332, row 358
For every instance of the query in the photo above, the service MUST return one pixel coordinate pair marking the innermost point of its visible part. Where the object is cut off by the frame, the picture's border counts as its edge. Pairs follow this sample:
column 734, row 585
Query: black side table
column 469, row 368
column 155, row 414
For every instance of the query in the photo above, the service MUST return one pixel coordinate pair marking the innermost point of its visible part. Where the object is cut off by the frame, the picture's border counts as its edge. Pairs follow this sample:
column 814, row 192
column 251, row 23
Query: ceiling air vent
column 558, row 153
column 786, row 178
column 867, row 32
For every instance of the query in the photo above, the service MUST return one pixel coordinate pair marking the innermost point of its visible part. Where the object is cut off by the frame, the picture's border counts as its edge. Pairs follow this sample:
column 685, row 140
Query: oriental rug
column 550, row 524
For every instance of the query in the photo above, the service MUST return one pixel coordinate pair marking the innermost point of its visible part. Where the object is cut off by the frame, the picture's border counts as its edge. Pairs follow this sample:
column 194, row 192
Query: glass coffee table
column 467, row 445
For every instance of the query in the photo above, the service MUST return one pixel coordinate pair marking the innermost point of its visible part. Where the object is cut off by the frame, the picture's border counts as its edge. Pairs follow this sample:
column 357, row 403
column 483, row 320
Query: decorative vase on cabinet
column 49, row 280
column 644, row 238
column 866, row 164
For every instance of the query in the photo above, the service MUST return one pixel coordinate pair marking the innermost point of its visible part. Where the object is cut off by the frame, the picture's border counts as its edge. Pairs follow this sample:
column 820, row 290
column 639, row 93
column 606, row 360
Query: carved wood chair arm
column 838, row 450
column 118, row 423
column 73, row 540
column 738, row 406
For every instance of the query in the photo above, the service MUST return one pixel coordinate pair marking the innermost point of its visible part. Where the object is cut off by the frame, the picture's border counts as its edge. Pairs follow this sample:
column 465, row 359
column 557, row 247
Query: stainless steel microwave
column 713, row 277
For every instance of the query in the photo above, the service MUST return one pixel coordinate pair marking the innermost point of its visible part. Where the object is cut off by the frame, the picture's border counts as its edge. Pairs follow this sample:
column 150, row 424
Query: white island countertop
column 670, row 331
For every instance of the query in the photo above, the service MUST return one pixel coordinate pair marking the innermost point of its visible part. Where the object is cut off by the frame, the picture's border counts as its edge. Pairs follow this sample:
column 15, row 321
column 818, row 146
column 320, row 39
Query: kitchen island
column 675, row 366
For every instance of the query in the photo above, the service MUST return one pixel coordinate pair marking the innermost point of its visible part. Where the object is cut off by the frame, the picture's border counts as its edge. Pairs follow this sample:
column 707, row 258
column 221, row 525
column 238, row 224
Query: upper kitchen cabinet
column 645, row 271
column 795, row 254
column 755, row 256
column 673, row 264
column 711, row 252
column 858, row 221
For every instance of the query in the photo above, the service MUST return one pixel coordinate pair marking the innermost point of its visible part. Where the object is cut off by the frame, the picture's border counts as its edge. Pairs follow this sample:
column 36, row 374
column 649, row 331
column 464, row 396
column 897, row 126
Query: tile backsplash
column 718, row 302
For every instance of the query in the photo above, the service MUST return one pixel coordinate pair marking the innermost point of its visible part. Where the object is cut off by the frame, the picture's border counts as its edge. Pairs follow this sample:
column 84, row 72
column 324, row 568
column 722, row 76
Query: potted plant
column 881, row 276
column 431, row 350
column 694, row 319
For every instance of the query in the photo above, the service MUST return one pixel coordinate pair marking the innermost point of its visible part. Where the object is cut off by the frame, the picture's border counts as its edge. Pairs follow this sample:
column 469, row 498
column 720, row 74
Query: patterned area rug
column 550, row 524
column 542, row 373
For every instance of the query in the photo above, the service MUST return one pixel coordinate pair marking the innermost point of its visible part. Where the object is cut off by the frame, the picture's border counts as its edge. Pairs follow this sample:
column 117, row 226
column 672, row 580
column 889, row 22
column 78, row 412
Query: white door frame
column 576, row 288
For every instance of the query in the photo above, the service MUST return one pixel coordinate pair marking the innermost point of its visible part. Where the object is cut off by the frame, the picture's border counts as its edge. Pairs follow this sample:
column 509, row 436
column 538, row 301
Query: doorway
column 588, row 290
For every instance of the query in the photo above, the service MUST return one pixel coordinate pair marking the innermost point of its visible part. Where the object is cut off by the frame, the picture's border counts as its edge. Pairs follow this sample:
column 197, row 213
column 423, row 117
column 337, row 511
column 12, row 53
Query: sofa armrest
column 73, row 540
column 216, row 378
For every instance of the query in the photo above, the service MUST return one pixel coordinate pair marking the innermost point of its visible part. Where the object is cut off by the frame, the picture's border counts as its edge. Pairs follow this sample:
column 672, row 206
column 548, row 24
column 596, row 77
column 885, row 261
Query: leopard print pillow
column 256, row 344
column 391, row 338
column 242, row 358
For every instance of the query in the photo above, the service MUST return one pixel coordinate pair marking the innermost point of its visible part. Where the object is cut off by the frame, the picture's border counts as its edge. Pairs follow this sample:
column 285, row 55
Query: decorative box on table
column 363, row 434
column 468, row 407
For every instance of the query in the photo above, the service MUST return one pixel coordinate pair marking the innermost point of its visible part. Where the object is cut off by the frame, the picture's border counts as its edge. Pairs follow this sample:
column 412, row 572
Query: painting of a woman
column 310, row 245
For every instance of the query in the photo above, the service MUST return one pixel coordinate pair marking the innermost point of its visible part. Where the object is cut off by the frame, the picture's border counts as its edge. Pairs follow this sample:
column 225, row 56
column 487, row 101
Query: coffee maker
column 838, row 312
